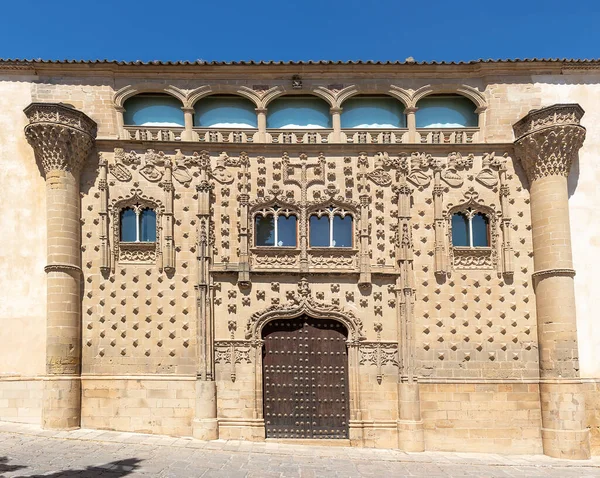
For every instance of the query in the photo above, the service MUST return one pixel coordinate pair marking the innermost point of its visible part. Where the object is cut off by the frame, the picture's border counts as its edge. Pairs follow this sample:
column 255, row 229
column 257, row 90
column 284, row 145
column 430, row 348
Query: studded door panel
column 305, row 379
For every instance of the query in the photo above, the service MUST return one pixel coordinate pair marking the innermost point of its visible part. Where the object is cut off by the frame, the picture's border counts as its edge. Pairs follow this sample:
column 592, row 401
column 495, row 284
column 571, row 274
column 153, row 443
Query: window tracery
column 276, row 227
column 330, row 227
column 138, row 224
column 136, row 229
column 472, row 234
column 470, row 228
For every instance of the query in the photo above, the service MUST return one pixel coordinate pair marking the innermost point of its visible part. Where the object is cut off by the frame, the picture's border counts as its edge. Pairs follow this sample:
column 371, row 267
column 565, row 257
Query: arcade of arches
column 385, row 260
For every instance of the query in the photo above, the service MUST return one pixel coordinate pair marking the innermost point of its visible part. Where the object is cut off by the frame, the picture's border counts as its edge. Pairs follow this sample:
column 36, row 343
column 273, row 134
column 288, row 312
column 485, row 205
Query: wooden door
column 305, row 377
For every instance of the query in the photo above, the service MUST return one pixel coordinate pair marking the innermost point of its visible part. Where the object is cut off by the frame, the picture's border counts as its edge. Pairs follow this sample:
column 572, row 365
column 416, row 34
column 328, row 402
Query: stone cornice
column 61, row 136
column 548, row 139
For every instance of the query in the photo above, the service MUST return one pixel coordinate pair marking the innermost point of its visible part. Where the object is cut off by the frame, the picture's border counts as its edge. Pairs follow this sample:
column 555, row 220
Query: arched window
column 225, row 111
column 291, row 112
column 373, row 112
column 128, row 225
column 470, row 229
column 446, row 111
column 153, row 109
column 147, row 225
column 138, row 224
column 331, row 227
column 275, row 227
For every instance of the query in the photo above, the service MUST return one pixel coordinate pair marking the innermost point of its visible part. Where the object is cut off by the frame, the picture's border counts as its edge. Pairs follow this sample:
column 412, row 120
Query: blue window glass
column 223, row 111
column 460, row 230
column 148, row 225
column 342, row 231
column 298, row 112
column 128, row 225
column 479, row 223
column 319, row 231
column 153, row 110
column 373, row 112
column 265, row 230
column 446, row 111
column 286, row 231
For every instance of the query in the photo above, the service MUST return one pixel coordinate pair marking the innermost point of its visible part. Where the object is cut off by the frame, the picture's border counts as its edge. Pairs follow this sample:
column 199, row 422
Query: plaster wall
column 23, row 242
column 583, row 208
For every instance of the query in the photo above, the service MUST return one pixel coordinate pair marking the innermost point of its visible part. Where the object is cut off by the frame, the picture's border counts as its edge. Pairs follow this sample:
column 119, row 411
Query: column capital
column 548, row 139
column 61, row 136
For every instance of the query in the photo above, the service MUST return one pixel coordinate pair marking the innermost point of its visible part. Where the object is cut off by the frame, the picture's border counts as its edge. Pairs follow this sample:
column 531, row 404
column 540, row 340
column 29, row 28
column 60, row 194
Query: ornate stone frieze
column 473, row 258
column 548, row 140
column 61, row 136
column 332, row 259
column 274, row 258
column 301, row 302
column 137, row 252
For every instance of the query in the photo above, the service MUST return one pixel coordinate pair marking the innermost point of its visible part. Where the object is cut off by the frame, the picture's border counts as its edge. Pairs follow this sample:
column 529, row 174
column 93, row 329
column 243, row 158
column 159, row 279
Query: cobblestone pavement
column 28, row 451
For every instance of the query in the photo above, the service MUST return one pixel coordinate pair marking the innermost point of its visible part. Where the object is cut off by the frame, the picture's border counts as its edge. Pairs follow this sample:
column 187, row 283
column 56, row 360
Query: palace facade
column 382, row 253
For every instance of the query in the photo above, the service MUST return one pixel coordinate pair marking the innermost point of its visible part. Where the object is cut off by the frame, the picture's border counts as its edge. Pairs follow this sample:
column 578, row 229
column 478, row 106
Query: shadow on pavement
column 114, row 469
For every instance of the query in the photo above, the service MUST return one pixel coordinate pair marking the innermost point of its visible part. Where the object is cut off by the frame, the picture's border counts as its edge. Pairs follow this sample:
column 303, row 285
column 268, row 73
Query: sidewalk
column 27, row 450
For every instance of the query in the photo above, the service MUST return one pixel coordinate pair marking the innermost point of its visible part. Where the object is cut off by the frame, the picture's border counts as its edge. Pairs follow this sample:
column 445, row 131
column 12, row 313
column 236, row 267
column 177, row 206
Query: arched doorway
column 305, row 378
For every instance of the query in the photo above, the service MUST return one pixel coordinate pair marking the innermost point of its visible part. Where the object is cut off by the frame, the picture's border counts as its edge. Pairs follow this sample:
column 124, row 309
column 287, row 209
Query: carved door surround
column 302, row 304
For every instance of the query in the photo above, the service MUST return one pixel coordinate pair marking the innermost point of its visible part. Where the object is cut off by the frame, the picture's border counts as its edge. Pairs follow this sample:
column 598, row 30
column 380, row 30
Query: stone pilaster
column 547, row 142
column 62, row 139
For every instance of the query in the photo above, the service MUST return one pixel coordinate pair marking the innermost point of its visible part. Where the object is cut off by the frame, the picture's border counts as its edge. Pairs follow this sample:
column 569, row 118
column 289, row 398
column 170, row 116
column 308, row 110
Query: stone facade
column 449, row 348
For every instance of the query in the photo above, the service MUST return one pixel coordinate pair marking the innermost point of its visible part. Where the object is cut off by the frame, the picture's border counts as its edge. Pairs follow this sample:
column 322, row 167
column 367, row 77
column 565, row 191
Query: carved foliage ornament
column 548, row 140
column 550, row 152
column 61, row 136
column 301, row 302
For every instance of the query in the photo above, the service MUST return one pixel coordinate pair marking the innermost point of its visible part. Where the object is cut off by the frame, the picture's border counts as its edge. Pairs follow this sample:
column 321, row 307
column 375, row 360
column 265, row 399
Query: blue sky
column 299, row 30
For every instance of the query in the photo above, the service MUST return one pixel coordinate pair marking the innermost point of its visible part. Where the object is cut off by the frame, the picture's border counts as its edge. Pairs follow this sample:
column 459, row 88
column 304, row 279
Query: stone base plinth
column 242, row 429
column 61, row 407
column 564, row 432
column 410, row 435
column 569, row 444
column 205, row 429
column 205, row 426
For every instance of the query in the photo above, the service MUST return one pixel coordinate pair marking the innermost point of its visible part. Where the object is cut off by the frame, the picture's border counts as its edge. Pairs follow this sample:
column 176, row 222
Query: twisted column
column 62, row 139
column 548, row 141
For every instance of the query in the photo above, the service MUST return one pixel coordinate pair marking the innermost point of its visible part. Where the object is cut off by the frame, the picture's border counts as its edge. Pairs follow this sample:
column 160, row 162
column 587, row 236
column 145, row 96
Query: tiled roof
column 16, row 61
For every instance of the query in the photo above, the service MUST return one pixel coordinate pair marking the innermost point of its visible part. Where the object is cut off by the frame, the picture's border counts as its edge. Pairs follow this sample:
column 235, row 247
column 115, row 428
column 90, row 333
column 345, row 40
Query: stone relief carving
column 303, row 303
column 548, row 140
column 61, row 137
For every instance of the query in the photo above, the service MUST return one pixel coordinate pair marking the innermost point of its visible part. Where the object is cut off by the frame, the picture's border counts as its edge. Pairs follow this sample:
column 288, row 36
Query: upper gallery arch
column 150, row 104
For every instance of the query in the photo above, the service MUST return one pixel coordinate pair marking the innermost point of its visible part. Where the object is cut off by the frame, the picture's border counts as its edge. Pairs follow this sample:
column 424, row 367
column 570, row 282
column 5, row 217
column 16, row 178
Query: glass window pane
column 225, row 112
column 319, row 231
column 298, row 112
column 286, row 231
column 264, row 230
column 153, row 110
column 128, row 219
column 148, row 225
column 480, row 230
column 373, row 112
column 460, row 230
column 438, row 111
column 342, row 231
